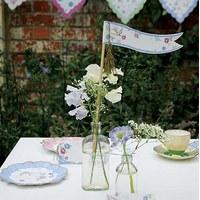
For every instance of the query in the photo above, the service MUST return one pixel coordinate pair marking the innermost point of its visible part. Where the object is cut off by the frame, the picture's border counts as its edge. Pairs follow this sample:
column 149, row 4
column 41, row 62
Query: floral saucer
column 33, row 173
column 51, row 144
column 190, row 152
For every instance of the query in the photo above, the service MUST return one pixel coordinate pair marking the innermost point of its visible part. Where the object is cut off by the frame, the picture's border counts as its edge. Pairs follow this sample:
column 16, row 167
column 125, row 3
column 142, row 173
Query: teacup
column 177, row 141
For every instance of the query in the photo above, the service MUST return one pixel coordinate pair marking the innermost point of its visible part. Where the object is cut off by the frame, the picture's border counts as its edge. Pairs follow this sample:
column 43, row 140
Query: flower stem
column 104, row 171
column 93, row 162
column 96, row 121
column 129, row 172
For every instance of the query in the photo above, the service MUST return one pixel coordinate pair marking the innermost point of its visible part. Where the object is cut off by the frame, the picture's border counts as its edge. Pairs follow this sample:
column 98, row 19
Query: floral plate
column 33, row 173
column 190, row 152
column 52, row 143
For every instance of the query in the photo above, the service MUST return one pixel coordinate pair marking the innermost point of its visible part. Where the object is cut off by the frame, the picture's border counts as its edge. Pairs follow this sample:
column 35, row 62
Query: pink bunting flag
column 68, row 7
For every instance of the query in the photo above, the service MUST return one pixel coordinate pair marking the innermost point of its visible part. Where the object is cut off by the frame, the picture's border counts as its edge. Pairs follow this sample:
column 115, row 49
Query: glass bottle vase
column 95, row 160
column 126, row 176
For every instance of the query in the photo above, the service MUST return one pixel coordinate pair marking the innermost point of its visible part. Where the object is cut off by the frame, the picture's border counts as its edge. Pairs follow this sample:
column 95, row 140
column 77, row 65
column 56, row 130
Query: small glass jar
column 126, row 178
column 95, row 160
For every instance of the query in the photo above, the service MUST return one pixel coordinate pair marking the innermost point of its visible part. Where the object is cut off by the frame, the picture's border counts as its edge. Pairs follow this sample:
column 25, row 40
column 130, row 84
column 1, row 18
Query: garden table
column 166, row 179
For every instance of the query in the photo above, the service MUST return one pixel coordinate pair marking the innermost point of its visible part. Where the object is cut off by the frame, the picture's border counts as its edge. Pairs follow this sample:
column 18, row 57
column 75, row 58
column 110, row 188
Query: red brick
column 19, row 71
column 38, row 46
column 18, row 59
column 24, row 7
column 56, row 33
column 34, row 19
column 83, row 20
column 79, row 46
column 53, row 8
column 80, row 34
column 27, row 33
column 70, row 34
column 52, row 46
column 41, row 6
column 40, row 33
column 20, row 46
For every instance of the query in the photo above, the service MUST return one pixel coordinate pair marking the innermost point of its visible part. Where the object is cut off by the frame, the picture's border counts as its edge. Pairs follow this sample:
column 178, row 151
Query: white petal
column 73, row 112
column 92, row 68
column 73, row 98
column 93, row 73
column 82, row 85
column 114, row 96
column 112, row 79
column 81, row 113
column 85, row 96
column 71, row 88
column 119, row 72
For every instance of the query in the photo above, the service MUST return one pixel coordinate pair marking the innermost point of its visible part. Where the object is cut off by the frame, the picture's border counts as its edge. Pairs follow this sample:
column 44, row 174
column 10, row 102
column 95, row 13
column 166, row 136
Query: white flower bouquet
column 83, row 96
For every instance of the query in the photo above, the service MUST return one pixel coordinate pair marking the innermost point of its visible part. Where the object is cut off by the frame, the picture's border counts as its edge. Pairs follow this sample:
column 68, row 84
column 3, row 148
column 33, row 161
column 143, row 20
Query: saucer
column 190, row 152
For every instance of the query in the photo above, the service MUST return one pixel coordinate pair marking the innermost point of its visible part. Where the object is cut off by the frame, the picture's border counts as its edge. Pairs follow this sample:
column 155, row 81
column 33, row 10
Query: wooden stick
column 100, row 82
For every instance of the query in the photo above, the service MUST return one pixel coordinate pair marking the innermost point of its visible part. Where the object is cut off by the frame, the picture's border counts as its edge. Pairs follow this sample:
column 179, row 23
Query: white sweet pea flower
column 115, row 95
column 73, row 98
column 113, row 77
column 80, row 112
column 76, row 96
column 82, row 85
column 119, row 72
column 71, row 88
column 93, row 73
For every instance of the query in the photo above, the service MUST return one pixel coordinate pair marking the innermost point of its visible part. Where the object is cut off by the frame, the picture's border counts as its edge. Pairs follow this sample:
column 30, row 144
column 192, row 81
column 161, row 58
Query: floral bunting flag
column 124, row 36
column 68, row 7
column 179, row 9
column 12, row 4
column 126, row 9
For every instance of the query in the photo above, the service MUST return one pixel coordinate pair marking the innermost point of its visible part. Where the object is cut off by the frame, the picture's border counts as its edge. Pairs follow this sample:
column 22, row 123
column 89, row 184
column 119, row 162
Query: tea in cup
column 177, row 140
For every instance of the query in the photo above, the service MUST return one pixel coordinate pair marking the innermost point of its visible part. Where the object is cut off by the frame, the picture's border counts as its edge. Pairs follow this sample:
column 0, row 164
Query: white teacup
column 177, row 141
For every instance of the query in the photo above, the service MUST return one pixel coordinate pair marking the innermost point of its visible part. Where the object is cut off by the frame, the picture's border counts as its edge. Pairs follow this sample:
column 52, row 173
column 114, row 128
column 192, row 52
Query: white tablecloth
column 166, row 179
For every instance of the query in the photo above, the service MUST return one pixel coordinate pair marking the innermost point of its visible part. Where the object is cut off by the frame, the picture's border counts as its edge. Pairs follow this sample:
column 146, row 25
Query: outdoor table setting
column 139, row 147
column 161, row 177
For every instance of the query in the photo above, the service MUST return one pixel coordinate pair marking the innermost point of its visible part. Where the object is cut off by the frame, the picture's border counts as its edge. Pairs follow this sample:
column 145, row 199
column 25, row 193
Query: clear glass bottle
column 126, row 177
column 95, row 160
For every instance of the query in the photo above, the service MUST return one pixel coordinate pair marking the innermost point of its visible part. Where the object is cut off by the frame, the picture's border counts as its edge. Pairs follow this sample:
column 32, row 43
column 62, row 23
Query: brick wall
column 37, row 24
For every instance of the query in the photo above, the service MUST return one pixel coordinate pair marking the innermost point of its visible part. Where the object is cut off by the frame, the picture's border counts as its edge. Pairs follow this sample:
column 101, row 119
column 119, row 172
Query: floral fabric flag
column 126, row 9
column 124, row 36
column 179, row 9
column 12, row 4
column 68, row 7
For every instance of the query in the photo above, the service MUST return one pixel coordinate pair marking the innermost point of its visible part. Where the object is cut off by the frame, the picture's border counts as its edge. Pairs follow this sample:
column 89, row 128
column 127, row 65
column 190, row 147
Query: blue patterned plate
column 33, row 173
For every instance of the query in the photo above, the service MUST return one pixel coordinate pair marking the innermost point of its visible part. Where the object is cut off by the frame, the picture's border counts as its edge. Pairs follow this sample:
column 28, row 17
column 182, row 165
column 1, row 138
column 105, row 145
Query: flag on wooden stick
column 124, row 36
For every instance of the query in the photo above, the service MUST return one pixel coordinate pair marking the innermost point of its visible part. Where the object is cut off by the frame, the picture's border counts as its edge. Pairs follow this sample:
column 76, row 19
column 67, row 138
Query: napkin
column 69, row 153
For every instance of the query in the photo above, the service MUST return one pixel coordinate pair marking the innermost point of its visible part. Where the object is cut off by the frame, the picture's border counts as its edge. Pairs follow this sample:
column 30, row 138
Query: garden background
column 43, row 52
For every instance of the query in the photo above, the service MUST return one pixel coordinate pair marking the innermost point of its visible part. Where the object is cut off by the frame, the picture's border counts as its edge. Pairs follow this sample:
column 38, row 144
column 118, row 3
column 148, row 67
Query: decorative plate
column 33, row 173
column 52, row 143
column 189, row 153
